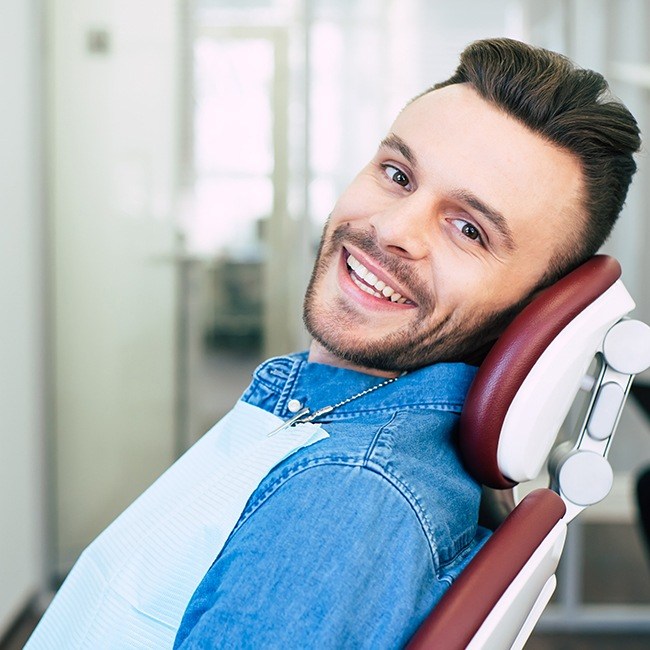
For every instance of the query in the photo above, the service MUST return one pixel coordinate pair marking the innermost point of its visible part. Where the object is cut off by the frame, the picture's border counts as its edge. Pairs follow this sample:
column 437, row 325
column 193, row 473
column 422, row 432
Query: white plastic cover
column 545, row 396
column 524, row 600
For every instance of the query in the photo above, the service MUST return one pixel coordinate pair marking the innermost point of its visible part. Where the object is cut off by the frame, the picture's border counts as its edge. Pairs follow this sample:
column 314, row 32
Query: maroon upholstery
column 458, row 616
column 512, row 357
column 461, row 612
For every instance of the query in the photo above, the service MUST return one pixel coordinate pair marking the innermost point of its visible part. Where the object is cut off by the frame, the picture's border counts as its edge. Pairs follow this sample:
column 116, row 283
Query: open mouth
column 367, row 281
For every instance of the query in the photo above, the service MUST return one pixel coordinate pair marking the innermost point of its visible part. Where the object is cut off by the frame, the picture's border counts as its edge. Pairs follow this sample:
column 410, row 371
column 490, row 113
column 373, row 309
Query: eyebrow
column 396, row 143
column 499, row 222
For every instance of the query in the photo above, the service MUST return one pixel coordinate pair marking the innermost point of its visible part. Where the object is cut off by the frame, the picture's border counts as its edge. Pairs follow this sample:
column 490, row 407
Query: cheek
column 358, row 201
column 467, row 287
column 348, row 209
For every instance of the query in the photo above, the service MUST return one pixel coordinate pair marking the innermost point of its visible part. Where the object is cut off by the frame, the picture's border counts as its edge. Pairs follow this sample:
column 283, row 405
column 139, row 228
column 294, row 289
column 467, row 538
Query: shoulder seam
column 346, row 461
column 375, row 438
column 444, row 407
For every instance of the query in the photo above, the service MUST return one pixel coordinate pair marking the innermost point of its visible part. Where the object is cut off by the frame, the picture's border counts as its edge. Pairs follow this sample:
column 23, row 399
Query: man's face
column 458, row 214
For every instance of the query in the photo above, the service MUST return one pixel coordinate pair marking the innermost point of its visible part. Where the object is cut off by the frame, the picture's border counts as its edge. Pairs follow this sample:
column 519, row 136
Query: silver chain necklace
column 304, row 414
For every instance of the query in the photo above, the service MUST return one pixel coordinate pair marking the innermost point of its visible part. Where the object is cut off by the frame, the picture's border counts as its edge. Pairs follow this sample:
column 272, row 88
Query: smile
column 367, row 281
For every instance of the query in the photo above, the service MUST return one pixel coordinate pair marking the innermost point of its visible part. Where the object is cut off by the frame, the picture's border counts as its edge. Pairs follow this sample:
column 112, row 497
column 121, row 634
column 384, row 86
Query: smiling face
column 441, row 237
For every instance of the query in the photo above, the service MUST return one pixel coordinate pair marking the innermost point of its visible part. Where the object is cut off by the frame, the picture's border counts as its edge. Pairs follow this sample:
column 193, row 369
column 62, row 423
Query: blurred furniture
column 237, row 319
column 643, row 502
column 642, row 394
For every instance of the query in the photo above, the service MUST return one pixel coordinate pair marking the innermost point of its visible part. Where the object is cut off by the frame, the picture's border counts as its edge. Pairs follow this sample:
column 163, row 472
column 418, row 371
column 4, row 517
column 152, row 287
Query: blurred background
column 166, row 167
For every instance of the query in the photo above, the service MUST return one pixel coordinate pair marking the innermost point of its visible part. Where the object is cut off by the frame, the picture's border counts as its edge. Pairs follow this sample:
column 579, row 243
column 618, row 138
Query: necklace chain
column 372, row 389
column 305, row 416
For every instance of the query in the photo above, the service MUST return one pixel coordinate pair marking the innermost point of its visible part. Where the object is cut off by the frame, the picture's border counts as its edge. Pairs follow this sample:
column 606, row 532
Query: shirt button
column 294, row 406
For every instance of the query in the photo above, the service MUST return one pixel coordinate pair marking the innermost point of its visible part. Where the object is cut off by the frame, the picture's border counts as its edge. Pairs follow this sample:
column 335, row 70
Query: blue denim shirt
column 350, row 542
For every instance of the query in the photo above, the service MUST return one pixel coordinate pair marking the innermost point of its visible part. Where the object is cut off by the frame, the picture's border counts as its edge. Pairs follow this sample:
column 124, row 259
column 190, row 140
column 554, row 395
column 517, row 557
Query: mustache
column 396, row 266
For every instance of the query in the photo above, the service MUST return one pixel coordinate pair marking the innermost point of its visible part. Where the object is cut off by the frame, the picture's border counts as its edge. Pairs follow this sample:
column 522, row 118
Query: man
column 487, row 188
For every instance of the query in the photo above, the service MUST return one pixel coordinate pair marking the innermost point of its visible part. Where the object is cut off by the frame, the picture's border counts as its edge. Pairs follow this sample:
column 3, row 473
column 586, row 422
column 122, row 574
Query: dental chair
column 571, row 343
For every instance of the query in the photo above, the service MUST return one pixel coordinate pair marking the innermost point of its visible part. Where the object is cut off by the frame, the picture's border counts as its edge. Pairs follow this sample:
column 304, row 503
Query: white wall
column 112, row 133
column 21, row 293
column 607, row 36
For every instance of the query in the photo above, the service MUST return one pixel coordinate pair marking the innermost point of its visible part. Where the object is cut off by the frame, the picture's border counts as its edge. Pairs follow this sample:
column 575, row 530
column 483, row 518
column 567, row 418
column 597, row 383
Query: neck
column 318, row 354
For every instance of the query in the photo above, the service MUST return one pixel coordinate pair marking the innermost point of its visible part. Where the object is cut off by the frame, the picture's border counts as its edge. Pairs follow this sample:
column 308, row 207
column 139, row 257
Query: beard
column 420, row 343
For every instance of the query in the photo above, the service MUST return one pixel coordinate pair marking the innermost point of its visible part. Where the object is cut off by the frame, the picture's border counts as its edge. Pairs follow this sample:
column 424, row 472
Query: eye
column 468, row 229
column 396, row 175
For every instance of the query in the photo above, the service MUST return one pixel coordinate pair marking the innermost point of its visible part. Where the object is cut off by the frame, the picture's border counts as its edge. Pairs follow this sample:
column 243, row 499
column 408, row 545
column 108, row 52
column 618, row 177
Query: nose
column 404, row 228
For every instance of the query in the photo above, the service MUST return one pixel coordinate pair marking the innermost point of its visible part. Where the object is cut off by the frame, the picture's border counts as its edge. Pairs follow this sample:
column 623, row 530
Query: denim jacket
column 349, row 542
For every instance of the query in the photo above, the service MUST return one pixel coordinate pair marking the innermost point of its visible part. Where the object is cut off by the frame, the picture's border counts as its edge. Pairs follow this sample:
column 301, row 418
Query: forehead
column 462, row 142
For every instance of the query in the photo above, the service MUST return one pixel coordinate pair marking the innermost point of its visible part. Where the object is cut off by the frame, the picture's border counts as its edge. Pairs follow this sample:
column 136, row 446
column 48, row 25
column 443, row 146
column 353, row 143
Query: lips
column 374, row 282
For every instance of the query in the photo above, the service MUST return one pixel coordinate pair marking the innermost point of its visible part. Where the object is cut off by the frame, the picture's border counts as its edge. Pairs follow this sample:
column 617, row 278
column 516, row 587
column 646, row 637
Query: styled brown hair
column 572, row 108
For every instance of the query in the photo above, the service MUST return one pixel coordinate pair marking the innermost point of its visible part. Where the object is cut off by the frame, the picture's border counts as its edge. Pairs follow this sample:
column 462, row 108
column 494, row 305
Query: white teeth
column 365, row 287
column 369, row 278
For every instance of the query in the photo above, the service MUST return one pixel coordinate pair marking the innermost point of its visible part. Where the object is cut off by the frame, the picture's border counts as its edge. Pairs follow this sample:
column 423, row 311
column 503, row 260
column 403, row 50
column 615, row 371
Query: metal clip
column 290, row 422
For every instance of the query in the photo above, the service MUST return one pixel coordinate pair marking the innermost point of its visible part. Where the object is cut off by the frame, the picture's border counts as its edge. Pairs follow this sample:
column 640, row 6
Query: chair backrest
column 527, row 383
column 511, row 418
column 491, row 602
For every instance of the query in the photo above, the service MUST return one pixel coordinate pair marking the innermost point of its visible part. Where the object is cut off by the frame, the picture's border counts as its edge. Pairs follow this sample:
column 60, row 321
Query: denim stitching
column 348, row 461
column 464, row 550
column 290, row 382
column 445, row 408
column 464, row 540
column 380, row 469
column 375, row 438
column 294, row 369
column 271, row 367
column 272, row 387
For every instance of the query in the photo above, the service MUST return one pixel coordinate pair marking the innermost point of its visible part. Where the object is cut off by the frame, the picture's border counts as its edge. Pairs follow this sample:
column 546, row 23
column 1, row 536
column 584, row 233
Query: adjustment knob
column 585, row 478
column 604, row 415
column 627, row 347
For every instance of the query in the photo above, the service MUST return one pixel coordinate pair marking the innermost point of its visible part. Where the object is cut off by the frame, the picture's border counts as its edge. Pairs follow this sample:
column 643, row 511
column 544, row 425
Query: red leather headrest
column 514, row 354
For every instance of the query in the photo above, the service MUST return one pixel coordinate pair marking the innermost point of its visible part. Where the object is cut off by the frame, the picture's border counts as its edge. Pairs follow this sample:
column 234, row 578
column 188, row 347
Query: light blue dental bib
column 130, row 587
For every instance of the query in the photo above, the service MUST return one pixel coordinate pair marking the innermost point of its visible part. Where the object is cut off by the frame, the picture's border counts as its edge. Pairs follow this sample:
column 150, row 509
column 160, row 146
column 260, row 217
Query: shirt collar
column 315, row 385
